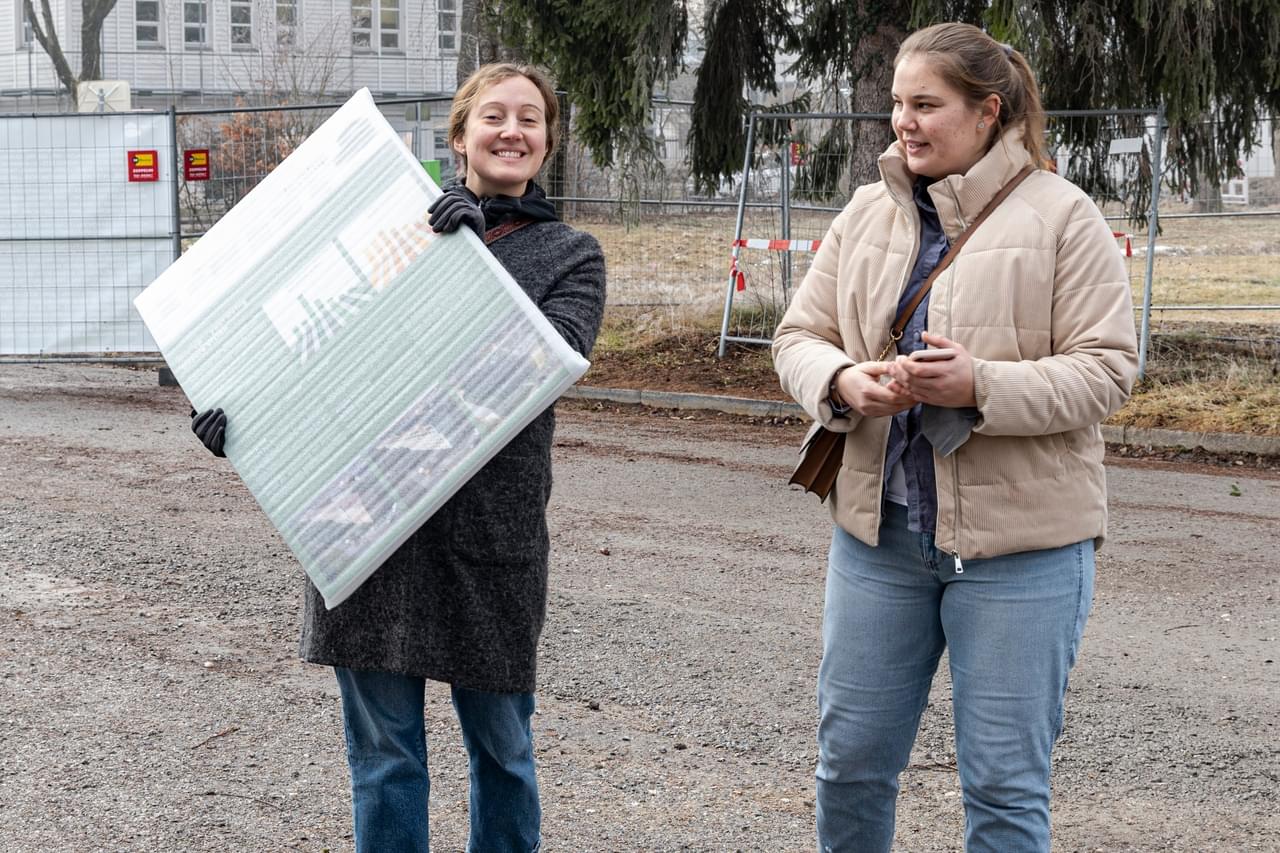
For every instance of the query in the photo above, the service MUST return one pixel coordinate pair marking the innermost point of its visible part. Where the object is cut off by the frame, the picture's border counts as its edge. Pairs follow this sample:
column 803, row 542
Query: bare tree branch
column 47, row 36
column 94, row 13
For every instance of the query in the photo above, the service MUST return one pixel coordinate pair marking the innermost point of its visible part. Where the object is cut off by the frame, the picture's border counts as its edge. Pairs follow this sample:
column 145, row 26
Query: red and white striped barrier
column 780, row 245
column 740, row 280
column 1128, row 244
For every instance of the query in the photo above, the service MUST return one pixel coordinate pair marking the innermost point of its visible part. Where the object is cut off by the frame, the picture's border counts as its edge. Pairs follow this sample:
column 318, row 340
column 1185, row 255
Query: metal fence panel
column 669, row 245
column 241, row 145
column 1208, row 256
column 809, row 164
column 78, row 237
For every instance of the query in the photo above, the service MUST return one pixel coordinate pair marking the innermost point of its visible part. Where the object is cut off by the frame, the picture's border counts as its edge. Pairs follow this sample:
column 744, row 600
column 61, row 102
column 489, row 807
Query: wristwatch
column 833, row 397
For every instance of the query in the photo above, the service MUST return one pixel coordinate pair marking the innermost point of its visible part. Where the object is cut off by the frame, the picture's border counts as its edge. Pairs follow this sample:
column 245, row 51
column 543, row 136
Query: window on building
column 146, row 16
column 447, row 23
column 287, row 23
column 25, row 36
column 241, row 23
column 362, row 24
column 375, row 25
column 195, row 23
column 389, row 25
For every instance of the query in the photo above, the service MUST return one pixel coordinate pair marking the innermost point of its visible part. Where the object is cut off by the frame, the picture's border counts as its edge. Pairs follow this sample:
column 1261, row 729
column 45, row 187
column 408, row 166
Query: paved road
column 150, row 697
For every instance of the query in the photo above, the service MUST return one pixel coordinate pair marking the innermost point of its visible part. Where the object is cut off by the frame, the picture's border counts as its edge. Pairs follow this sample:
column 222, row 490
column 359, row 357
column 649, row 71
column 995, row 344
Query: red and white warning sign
column 143, row 166
column 195, row 164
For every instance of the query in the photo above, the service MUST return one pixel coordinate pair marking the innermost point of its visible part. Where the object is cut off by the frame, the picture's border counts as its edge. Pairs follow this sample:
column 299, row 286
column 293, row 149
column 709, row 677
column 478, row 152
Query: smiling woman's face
column 935, row 123
column 505, row 140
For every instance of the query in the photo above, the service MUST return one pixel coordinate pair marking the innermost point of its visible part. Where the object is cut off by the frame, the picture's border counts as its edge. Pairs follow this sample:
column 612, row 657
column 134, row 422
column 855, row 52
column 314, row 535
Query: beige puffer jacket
column 1040, row 298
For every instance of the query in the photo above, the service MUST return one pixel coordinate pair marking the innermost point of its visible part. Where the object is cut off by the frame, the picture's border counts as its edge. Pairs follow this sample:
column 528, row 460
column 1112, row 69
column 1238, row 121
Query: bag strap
column 497, row 232
column 904, row 317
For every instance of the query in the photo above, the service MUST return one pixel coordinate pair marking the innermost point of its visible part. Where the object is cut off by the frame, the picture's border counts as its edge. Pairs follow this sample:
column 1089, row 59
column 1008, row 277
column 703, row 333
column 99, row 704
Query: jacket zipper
column 955, row 528
column 955, row 458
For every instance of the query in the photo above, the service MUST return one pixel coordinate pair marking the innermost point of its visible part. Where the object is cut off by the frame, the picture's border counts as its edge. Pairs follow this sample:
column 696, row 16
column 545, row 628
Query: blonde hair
column 487, row 75
column 974, row 63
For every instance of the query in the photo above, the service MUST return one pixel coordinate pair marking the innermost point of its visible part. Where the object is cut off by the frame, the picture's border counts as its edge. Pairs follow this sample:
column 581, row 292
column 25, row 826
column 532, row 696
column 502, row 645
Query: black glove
column 211, row 428
column 456, row 206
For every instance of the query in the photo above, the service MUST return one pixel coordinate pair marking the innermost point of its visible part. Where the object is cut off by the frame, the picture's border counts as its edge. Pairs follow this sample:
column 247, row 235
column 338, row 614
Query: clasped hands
column 883, row 388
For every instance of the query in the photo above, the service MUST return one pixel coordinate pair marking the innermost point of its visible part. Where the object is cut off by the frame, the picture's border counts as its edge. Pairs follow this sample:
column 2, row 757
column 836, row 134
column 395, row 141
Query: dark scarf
column 532, row 205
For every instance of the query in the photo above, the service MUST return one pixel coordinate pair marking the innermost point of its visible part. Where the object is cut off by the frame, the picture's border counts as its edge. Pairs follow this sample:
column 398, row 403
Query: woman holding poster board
column 463, row 601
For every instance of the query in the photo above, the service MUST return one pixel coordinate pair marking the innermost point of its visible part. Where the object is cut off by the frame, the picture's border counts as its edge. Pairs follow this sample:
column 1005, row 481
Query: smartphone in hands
column 932, row 354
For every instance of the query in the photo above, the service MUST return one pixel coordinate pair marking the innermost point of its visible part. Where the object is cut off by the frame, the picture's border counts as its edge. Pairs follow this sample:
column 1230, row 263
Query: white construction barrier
column 86, row 220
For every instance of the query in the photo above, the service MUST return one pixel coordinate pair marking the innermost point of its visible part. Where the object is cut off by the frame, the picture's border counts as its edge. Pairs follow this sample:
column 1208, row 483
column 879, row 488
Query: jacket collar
column 958, row 198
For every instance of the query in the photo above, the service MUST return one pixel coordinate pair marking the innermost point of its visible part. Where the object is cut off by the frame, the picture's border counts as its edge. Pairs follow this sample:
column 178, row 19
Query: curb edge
column 1214, row 442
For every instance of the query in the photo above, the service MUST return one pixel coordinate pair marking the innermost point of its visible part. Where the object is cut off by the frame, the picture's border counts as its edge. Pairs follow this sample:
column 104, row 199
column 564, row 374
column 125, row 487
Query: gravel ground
column 151, row 698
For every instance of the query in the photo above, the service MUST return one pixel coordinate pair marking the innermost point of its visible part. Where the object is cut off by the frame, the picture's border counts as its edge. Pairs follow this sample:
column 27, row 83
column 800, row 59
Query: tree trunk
column 872, row 94
column 467, row 50
column 90, row 52
column 1208, row 199
column 94, row 13
column 480, row 43
column 47, row 36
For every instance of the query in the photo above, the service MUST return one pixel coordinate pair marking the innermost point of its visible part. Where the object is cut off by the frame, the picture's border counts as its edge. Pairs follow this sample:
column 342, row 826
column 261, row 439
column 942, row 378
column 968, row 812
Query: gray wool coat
column 463, row 600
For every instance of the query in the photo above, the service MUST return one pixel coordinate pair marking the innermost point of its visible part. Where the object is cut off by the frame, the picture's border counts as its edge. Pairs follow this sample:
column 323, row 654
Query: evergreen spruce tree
column 1213, row 64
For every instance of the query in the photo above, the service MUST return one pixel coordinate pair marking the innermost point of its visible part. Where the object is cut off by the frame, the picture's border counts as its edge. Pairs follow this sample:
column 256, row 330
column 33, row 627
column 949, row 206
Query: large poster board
column 368, row 366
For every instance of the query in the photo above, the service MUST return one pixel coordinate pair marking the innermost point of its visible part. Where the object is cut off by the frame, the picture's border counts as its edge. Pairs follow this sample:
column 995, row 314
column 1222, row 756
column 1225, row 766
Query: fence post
column 176, row 165
column 1153, row 225
column 784, row 187
column 417, row 133
column 737, row 234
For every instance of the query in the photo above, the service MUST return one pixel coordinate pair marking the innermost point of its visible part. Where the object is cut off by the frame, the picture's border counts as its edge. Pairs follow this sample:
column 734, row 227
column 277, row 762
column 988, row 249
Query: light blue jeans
column 387, row 751
column 1012, row 626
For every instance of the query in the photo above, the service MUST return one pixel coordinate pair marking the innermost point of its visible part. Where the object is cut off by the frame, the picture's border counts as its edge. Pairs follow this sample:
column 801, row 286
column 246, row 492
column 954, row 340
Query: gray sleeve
column 575, row 302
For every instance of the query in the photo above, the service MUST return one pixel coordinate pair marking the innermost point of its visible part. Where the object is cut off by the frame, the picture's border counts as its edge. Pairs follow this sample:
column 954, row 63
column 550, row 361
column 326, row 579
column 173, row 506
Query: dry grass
column 1195, row 381
column 1208, row 381
column 668, row 276
column 670, row 271
column 1234, row 261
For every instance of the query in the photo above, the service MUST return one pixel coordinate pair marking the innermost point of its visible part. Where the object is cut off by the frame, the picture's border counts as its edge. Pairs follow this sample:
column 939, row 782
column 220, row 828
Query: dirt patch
column 686, row 362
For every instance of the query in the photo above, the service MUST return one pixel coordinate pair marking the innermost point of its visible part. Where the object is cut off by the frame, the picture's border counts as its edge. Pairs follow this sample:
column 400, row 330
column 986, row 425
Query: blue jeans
column 1012, row 626
column 387, row 751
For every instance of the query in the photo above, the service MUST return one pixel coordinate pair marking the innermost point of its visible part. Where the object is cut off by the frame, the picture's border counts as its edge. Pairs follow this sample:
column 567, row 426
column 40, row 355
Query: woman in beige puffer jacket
column 987, row 550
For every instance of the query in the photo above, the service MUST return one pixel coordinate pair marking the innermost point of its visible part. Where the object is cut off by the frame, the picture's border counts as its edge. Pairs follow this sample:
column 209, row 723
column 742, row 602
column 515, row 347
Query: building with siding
column 211, row 53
